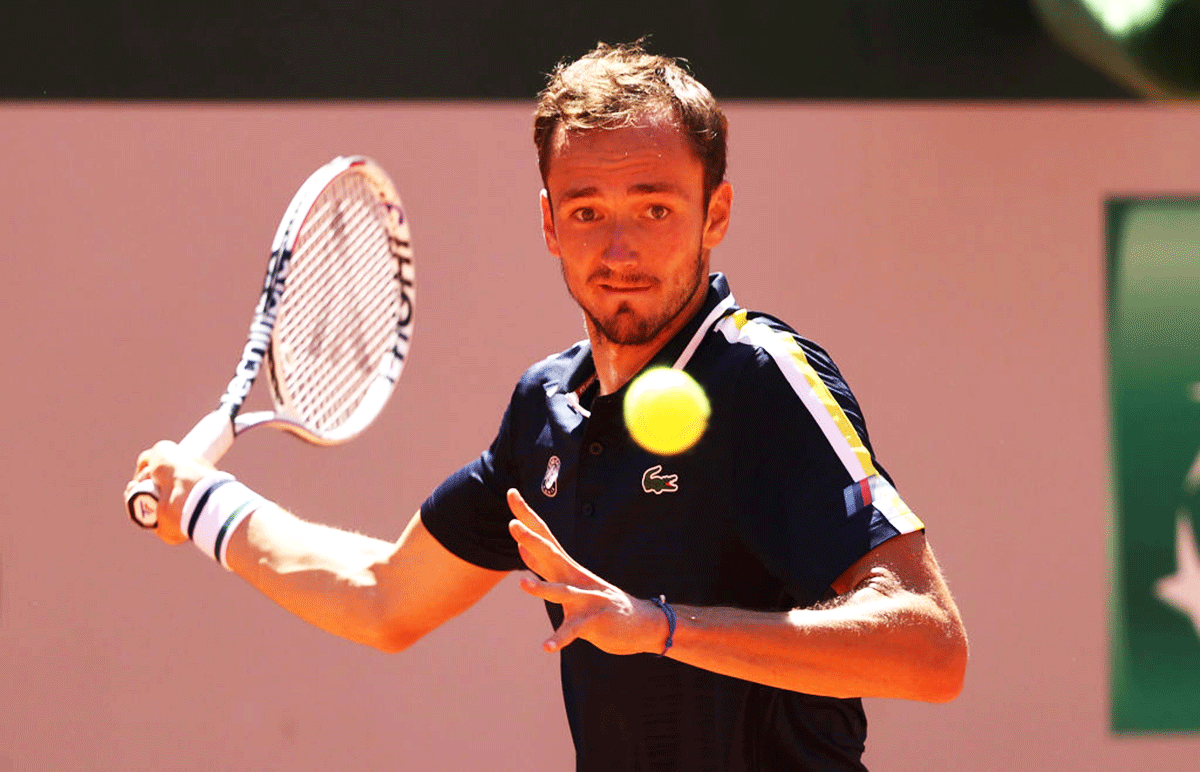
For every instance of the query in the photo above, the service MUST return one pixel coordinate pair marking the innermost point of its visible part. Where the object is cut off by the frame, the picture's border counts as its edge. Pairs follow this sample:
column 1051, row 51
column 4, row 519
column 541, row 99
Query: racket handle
column 210, row 438
column 142, row 504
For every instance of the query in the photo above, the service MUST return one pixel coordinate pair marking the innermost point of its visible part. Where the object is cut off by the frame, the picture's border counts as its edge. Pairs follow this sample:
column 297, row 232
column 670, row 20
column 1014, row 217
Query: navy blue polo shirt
column 778, row 498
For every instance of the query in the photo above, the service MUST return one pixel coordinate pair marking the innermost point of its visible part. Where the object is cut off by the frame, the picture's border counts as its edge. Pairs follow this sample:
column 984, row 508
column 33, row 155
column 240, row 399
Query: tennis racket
column 333, row 323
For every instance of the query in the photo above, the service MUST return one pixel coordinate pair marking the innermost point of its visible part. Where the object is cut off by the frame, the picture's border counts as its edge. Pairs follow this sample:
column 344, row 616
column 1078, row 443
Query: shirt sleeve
column 468, row 513
column 813, row 499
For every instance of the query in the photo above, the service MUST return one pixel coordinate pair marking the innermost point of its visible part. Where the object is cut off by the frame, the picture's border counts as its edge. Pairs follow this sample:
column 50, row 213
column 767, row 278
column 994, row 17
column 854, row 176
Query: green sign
column 1154, row 358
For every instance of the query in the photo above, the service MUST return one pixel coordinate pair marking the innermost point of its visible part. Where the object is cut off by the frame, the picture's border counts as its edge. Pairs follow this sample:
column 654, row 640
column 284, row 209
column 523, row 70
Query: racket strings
column 349, row 351
column 340, row 307
column 326, row 396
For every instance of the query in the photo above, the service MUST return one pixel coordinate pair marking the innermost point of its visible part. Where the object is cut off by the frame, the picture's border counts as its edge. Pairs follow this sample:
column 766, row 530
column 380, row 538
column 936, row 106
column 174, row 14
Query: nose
column 619, row 247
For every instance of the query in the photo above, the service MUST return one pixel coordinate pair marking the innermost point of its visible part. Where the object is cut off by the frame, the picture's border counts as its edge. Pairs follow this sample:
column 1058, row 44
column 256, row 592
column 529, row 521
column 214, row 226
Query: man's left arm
column 893, row 629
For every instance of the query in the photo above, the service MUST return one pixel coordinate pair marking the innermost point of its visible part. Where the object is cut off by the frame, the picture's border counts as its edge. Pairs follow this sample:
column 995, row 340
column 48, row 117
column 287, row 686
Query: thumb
column 567, row 632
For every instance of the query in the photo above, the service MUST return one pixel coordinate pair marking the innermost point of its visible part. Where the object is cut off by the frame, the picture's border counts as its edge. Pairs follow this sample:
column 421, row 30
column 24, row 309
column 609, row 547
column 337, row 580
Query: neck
column 617, row 363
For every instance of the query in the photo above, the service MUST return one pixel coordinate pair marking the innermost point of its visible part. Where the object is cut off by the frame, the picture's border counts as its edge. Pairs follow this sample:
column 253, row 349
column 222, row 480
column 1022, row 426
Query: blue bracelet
column 661, row 602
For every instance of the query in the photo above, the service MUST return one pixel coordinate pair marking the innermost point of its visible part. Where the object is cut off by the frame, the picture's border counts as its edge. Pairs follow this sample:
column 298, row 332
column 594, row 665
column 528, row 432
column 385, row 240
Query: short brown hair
column 615, row 86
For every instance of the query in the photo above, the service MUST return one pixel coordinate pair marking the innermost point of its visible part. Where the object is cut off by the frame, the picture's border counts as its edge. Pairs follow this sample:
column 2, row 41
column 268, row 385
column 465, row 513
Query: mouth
column 626, row 286
column 625, row 289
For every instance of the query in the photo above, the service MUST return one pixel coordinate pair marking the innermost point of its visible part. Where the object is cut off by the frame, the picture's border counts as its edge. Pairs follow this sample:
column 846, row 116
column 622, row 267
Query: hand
column 593, row 609
column 174, row 473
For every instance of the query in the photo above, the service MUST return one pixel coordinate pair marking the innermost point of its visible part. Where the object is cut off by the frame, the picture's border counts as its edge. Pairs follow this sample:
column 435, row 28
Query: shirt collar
column 677, row 351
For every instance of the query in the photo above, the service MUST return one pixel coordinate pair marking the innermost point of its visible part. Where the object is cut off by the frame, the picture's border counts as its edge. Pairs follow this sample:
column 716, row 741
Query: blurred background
column 487, row 49
column 922, row 187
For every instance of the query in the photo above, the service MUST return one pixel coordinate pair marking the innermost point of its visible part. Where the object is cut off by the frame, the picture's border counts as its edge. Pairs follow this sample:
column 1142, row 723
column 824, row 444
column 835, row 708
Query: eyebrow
column 640, row 189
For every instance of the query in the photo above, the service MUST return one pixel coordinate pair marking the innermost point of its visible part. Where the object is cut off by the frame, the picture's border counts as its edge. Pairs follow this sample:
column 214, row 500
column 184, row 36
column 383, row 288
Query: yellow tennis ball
column 666, row 411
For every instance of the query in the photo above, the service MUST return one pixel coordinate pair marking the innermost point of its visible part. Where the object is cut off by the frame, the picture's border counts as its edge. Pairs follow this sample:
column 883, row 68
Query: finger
column 129, row 486
column 163, row 476
column 143, row 472
column 523, row 512
column 552, row 592
column 526, row 535
column 567, row 632
column 151, row 458
column 546, row 557
column 143, row 461
column 540, row 556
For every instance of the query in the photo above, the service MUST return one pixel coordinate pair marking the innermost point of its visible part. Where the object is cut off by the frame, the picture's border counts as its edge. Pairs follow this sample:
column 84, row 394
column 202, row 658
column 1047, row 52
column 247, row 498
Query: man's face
column 624, row 211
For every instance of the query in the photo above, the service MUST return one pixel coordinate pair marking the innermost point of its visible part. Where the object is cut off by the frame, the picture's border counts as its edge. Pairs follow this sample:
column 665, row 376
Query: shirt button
column 595, row 448
column 587, row 510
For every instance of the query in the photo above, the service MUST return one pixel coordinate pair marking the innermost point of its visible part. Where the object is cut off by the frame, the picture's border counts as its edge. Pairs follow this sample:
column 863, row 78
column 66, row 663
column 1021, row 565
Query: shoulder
column 763, row 346
column 551, row 373
column 784, row 381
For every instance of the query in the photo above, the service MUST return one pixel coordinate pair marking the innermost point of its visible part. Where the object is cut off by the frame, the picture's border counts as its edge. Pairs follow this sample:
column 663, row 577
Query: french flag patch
column 858, row 495
column 877, row 492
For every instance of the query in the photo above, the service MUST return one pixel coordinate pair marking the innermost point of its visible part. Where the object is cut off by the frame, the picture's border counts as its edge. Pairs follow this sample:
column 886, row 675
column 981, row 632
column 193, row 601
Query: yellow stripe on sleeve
column 813, row 392
column 824, row 408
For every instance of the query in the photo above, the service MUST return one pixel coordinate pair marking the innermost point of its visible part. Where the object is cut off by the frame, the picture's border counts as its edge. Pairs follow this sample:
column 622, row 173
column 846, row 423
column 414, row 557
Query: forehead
column 654, row 148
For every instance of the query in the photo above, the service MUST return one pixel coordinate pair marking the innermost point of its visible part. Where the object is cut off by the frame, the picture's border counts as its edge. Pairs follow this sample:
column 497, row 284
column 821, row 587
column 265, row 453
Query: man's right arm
column 377, row 593
column 380, row 594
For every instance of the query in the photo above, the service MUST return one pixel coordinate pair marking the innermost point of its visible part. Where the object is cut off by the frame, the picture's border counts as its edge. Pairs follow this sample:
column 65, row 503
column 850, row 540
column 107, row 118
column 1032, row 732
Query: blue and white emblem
column 550, row 481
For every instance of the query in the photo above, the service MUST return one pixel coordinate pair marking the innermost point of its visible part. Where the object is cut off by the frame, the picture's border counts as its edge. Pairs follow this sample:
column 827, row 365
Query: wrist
column 215, row 507
column 671, row 619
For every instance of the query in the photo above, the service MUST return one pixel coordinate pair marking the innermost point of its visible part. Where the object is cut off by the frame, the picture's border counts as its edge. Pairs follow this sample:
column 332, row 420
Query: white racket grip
column 210, row 438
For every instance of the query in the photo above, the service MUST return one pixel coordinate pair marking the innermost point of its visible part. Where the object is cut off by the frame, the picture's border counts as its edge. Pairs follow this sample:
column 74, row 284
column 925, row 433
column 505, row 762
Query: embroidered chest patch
column 550, row 481
column 654, row 481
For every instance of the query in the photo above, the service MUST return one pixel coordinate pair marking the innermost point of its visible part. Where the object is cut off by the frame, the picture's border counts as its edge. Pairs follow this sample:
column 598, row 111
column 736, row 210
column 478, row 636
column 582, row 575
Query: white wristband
column 214, row 509
column 197, row 498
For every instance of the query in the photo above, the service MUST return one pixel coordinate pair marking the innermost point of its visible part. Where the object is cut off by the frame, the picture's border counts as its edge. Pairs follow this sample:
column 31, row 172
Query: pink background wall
column 949, row 256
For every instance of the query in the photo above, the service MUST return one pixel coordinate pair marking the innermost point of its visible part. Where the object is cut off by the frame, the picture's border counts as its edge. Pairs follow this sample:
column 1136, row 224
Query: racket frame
column 213, row 435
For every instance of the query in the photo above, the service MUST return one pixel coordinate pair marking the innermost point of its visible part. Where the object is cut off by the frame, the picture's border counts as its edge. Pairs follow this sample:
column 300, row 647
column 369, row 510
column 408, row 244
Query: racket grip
column 142, row 503
column 210, row 438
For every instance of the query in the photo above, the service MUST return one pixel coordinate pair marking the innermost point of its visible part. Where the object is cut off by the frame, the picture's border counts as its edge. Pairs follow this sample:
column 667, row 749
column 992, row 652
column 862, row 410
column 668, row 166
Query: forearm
column 323, row 575
column 870, row 645
column 894, row 631
column 381, row 594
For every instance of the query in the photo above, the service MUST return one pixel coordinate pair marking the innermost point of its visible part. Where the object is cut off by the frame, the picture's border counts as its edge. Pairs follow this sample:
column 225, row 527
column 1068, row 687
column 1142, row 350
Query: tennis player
column 722, row 609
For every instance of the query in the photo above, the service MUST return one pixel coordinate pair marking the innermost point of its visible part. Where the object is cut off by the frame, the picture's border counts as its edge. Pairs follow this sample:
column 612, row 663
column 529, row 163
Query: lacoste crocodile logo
column 656, row 483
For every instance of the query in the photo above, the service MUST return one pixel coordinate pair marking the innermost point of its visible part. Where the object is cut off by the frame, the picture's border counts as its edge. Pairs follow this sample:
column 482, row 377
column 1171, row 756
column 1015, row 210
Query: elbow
column 388, row 638
column 383, row 629
column 394, row 627
column 384, row 614
column 946, row 672
column 946, row 686
column 392, row 643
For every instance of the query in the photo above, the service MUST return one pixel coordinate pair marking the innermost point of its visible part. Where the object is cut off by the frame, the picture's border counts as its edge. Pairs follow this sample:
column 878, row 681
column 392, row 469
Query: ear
column 548, row 231
column 716, row 221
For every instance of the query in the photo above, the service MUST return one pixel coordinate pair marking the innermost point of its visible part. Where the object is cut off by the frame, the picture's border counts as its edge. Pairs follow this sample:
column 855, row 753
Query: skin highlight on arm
column 380, row 594
column 895, row 632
